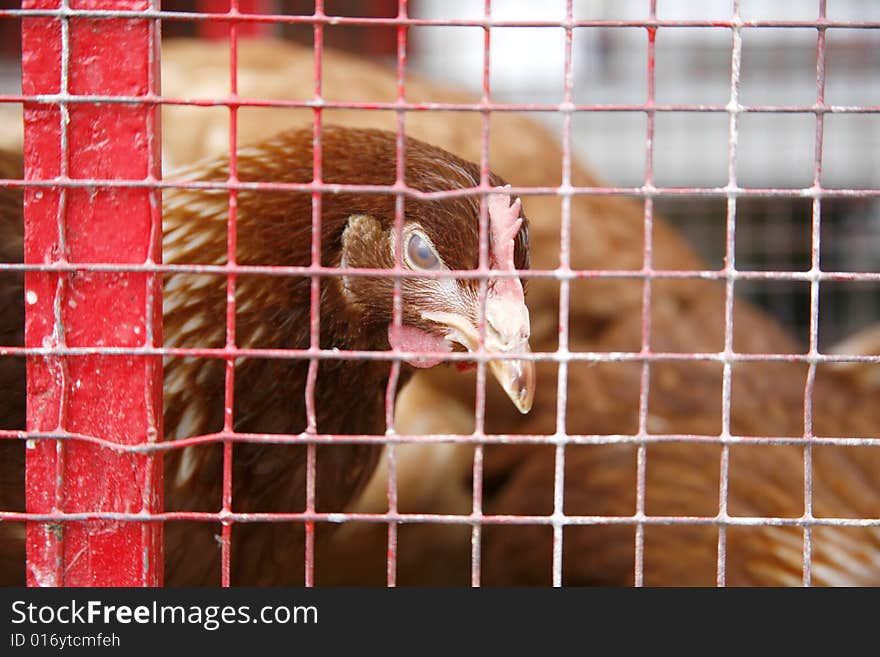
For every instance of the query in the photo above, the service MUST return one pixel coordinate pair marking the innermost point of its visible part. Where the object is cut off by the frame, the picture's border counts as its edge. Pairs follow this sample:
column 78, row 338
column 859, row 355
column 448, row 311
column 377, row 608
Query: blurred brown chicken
column 682, row 478
column 274, row 228
column 865, row 342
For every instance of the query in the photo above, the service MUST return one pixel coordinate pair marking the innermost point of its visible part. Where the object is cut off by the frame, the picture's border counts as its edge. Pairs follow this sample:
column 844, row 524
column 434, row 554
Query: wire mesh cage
column 701, row 308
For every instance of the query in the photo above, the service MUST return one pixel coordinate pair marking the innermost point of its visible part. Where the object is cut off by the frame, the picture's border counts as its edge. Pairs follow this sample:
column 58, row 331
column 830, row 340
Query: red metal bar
column 116, row 398
column 816, row 108
column 462, row 274
column 210, row 29
column 314, row 301
column 480, row 394
column 353, row 354
column 647, row 266
column 447, row 519
column 373, row 439
column 397, row 299
column 635, row 192
column 730, row 271
column 270, row 18
column 815, row 268
column 231, row 280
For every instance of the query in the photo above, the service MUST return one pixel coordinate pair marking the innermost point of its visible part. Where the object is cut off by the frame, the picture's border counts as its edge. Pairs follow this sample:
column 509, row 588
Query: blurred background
column 693, row 67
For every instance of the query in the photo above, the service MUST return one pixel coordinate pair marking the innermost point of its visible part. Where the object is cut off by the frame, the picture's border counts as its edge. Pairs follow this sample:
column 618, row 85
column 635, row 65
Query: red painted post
column 113, row 397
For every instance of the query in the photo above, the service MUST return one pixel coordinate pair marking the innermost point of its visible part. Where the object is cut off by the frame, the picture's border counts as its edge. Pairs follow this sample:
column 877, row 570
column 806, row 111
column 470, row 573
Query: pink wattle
column 412, row 339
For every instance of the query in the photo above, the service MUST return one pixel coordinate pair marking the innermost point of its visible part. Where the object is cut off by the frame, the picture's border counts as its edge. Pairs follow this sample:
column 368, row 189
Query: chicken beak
column 517, row 378
column 507, row 331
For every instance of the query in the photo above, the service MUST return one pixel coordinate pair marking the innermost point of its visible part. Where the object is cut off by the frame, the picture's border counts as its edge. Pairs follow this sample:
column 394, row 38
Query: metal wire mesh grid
column 729, row 274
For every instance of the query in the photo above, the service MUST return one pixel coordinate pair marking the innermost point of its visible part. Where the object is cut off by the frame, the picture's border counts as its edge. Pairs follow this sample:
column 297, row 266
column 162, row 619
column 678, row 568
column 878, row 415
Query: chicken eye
column 420, row 254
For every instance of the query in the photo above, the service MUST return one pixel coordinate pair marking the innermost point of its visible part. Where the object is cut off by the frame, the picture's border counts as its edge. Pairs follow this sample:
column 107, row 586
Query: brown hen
column 274, row 228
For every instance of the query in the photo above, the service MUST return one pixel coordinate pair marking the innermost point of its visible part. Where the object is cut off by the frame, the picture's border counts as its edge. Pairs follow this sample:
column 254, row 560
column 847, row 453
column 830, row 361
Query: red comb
column 504, row 224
